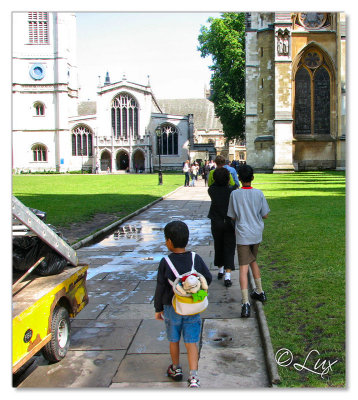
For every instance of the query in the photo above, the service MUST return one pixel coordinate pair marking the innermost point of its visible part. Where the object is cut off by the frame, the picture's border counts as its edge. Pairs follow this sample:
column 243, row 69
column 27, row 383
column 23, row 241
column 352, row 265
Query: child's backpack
column 188, row 303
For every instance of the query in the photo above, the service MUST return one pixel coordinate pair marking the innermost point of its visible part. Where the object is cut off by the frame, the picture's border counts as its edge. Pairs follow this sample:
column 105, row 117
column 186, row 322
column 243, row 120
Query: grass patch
column 75, row 198
column 302, row 259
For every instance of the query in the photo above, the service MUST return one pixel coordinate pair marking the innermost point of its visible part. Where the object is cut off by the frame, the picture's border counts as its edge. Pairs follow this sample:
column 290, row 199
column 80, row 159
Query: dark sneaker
column 245, row 310
column 227, row 282
column 220, row 275
column 258, row 296
column 175, row 374
column 194, row 382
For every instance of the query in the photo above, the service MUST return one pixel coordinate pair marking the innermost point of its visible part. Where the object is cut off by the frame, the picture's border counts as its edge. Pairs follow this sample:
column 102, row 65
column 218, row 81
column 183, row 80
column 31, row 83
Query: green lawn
column 73, row 198
column 302, row 259
column 302, row 256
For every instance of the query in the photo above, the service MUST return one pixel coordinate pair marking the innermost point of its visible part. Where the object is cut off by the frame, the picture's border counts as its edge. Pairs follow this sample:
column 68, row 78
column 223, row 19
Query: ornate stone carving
column 283, row 40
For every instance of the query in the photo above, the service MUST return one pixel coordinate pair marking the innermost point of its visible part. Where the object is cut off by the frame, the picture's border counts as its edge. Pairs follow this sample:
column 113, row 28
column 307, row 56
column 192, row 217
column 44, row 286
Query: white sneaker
column 194, row 382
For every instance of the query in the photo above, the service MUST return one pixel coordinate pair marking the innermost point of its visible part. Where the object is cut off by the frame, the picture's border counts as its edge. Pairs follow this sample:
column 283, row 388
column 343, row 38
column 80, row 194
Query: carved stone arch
column 138, row 160
column 122, row 159
column 327, row 60
column 124, row 92
column 105, row 160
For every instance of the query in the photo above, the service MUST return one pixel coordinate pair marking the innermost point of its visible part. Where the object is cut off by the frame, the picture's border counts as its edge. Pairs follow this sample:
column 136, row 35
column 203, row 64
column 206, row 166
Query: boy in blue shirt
column 176, row 238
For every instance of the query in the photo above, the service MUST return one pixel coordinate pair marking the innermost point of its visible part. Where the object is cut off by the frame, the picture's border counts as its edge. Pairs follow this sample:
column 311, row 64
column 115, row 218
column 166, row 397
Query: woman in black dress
column 222, row 228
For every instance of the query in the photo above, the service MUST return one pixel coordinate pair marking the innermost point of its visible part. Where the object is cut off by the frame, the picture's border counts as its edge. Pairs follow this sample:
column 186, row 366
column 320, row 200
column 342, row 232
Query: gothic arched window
column 82, row 141
column 124, row 116
column 167, row 142
column 39, row 109
column 39, row 152
column 312, row 95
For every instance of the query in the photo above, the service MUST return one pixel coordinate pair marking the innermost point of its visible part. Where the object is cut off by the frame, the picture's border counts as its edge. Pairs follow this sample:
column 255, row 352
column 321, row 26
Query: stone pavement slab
column 151, row 338
column 149, row 368
column 232, row 347
column 79, row 369
column 103, row 335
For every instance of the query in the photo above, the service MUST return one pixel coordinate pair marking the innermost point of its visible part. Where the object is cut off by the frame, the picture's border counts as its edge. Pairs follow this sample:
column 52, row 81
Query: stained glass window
column 303, row 102
column 167, row 143
column 82, row 141
column 124, row 116
column 312, row 96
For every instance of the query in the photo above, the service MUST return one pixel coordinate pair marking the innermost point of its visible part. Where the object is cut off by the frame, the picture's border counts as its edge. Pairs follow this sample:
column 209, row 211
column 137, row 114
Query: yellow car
column 41, row 311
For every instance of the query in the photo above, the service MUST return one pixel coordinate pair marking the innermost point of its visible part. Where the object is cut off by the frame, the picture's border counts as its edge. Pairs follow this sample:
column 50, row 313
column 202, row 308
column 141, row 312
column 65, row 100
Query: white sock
column 227, row 276
column 258, row 288
column 221, row 270
column 245, row 296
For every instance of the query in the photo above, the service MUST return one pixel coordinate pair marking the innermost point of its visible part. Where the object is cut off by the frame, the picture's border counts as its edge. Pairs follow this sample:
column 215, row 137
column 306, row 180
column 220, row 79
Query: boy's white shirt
column 247, row 207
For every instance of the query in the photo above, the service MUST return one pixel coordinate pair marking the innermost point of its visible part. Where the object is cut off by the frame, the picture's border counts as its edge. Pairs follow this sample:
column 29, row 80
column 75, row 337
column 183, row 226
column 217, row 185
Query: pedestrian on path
column 220, row 163
column 205, row 172
column 189, row 326
column 222, row 227
column 193, row 173
column 186, row 170
column 233, row 173
column 248, row 207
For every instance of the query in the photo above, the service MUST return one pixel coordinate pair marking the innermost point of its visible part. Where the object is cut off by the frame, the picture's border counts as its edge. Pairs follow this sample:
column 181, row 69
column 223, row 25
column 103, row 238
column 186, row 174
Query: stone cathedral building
column 53, row 131
column 295, row 103
column 295, row 91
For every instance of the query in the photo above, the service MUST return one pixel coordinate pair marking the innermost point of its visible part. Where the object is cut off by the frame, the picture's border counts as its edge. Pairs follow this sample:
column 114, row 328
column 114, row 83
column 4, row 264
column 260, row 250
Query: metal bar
column 28, row 218
column 28, row 272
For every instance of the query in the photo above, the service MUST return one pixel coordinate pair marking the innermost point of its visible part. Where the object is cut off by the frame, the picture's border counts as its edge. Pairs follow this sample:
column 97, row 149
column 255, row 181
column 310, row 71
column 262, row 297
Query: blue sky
column 162, row 45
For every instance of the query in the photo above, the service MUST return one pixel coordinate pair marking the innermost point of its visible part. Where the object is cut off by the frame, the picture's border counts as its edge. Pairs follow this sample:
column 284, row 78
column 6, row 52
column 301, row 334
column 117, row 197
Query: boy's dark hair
column 221, row 176
column 220, row 160
column 246, row 173
column 178, row 233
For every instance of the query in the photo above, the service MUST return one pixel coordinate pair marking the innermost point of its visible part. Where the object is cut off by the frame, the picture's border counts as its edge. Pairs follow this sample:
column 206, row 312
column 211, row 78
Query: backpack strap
column 171, row 265
column 193, row 258
column 175, row 272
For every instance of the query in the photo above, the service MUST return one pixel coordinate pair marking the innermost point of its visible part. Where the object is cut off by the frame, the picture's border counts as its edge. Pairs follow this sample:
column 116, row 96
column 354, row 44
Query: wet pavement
column 115, row 340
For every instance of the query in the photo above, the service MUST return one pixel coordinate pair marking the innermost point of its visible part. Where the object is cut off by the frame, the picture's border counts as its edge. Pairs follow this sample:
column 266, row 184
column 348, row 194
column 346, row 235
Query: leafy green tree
column 224, row 41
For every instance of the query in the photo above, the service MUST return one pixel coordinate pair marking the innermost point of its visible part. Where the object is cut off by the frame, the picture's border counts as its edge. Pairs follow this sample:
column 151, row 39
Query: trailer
column 42, row 306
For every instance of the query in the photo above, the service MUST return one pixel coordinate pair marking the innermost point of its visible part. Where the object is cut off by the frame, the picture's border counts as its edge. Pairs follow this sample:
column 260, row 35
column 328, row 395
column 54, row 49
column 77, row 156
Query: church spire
column 107, row 80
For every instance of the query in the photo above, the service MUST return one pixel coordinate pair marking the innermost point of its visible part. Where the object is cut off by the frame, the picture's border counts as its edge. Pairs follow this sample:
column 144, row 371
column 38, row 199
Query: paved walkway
column 117, row 343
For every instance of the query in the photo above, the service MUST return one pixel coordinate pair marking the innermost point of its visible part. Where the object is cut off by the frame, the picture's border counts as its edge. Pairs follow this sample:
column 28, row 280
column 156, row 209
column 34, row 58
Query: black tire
column 56, row 349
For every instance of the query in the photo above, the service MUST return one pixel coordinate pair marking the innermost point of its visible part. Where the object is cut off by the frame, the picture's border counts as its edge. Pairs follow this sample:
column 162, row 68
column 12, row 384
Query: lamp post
column 158, row 133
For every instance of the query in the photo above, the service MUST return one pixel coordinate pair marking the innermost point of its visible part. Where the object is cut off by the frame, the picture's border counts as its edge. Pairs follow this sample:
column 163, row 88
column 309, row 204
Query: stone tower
column 45, row 88
column 295, row 91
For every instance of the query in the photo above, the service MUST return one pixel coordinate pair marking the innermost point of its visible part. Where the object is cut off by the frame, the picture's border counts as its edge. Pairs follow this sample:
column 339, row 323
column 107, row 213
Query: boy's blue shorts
column 188, row 325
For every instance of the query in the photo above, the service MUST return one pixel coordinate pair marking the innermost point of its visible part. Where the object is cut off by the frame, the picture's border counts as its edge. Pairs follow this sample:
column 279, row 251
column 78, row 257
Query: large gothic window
column 82, row 141
column 125, row 116
column 167, row 142
column 312, row 96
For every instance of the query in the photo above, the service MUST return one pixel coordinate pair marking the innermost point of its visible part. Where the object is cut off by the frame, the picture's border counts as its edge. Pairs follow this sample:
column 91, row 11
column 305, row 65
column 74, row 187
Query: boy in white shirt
column 248, row 207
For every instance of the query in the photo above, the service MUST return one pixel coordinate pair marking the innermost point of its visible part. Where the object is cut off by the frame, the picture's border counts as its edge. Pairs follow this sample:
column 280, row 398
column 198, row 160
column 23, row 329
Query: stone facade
column 295, row 91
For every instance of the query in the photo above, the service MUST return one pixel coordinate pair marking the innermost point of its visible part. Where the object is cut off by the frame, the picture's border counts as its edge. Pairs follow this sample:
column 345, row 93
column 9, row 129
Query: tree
column 224, row 40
